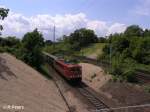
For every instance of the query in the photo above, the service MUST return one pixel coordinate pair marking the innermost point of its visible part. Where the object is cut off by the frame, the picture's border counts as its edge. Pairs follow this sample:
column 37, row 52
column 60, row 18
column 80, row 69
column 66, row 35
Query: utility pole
column 54, row 37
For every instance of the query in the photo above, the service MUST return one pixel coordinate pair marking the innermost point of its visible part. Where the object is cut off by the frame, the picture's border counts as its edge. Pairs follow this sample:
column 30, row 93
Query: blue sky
column 98, row 13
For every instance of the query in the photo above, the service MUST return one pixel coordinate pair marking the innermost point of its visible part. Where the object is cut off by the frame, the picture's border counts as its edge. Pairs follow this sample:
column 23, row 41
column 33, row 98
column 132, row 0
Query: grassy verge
column 44, row 71
column 143, row 67
column 92, row 49
column 147, row 89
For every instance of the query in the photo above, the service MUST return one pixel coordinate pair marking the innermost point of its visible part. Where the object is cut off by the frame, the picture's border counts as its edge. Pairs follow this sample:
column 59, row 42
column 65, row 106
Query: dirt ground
column 75, row 100
column 122, row 94
column 20, row 85
column 94, row 76
column 92, row 56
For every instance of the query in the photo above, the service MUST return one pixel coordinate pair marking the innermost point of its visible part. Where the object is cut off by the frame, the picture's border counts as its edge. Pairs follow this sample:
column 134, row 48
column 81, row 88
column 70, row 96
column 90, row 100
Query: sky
column 103, row 16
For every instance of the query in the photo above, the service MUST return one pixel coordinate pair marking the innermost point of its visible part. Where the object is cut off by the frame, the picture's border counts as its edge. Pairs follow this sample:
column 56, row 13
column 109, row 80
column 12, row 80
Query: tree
column 134, row 31
column 140, row 48
column 147, row 33
column 12, row 41
column 48, row 42
column 32, row 44
column 10, row 44
column 3, row 14
column 102, row 40
column 82, row 38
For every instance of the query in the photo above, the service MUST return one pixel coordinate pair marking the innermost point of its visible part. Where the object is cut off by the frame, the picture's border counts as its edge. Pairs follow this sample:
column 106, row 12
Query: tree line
column 125, row 51
column 128, row 51
column 28, row 49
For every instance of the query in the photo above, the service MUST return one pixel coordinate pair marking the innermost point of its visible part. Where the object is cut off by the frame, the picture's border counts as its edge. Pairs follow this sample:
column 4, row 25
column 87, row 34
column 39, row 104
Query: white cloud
column 100, row 27
column 143, row 8
column 18, row 24
column 116, row 27
column 2, row 6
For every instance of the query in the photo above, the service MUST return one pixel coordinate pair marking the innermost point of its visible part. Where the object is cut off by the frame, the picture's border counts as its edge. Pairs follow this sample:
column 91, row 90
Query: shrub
column 123, row 69
column 2, row 49
column 129, row 75
column 93, row 76
column 147, row 88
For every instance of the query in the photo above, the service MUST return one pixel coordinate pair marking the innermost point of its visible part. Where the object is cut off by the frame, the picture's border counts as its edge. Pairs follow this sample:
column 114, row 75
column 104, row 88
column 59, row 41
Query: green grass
column 143, row 67
column 44, row 71
column 147, row 88
column 93, row 49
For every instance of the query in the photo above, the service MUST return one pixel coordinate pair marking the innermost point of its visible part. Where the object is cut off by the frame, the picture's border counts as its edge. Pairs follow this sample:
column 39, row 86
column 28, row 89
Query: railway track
column 99, row 105
column 95, row 104
column 55, row 80
column 142, row 76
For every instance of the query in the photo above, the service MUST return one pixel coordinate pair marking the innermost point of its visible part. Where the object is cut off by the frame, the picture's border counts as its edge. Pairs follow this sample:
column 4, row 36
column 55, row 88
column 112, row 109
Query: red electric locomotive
column 69, row 70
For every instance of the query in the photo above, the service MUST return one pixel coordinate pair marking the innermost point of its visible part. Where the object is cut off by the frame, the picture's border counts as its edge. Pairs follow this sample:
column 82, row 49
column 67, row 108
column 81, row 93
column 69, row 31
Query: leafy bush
column 127, row 49
column 2, row 49
column 93, row 76
column 123, row 69
column 32, row 44
column 129, row 75
column 147, row 88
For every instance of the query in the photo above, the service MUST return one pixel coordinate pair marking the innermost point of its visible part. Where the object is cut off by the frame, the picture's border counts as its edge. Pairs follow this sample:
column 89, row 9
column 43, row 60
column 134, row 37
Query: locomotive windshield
column 75, row 69
column 73, row 61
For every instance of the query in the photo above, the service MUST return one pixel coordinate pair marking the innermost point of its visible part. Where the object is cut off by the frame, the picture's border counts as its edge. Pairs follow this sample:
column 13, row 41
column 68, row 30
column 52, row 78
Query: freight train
column 70, row 71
